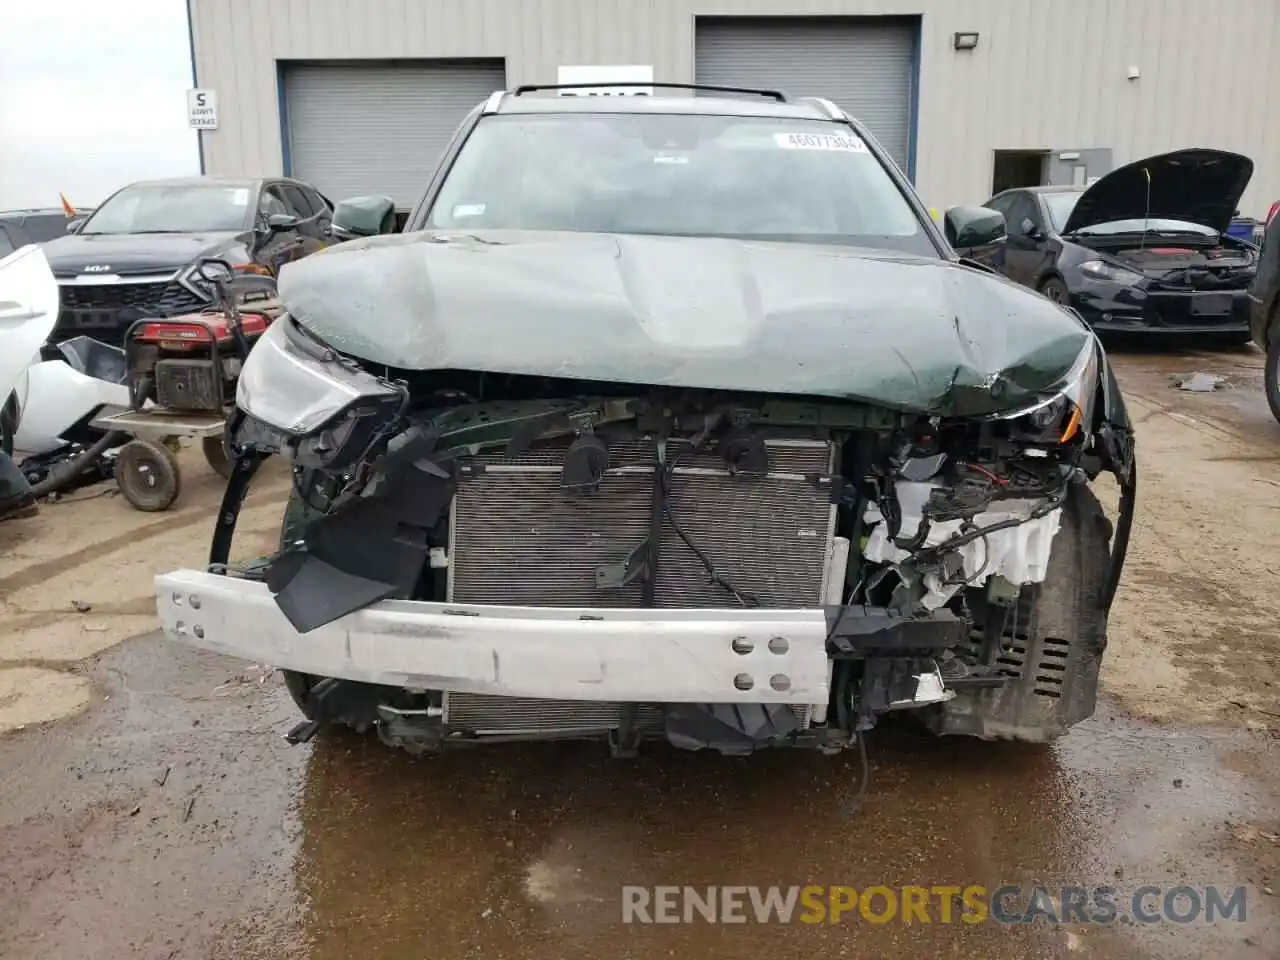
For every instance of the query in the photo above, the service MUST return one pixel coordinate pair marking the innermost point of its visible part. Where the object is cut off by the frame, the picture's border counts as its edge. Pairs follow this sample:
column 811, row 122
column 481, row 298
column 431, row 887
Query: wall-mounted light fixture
column 965, row 41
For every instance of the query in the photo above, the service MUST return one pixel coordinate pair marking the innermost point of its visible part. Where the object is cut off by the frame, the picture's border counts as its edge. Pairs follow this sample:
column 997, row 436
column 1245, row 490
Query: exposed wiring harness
column 714, row 575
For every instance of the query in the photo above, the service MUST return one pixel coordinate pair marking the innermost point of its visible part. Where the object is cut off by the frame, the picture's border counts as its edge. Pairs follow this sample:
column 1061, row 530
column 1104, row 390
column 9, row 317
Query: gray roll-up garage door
column 864, row 65
column 379, row 128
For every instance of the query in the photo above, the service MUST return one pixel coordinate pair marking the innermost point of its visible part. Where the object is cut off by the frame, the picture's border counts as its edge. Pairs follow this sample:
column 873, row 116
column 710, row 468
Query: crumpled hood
column 915, row 334
column 1199, row 186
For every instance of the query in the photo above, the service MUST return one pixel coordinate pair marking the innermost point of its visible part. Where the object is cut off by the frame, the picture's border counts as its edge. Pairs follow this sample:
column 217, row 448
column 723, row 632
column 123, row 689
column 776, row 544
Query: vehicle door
column 278, row 229
column 313, row 228
column 1026, row 249
column 28, row 309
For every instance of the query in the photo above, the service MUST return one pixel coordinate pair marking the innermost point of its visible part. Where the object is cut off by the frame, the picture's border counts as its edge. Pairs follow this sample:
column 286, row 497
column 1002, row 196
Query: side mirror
column 1030, row 230
column 73, row 226
column 974, row 230
column 281, row 221
column 363, row 217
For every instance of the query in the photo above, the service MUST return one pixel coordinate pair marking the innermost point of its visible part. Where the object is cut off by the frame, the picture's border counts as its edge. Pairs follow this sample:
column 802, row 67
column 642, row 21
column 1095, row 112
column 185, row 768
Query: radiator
column 516, row 538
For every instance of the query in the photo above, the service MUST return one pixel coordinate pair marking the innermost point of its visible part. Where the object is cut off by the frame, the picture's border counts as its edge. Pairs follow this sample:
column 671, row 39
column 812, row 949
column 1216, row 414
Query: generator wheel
column 147, row 474
column 218, row 456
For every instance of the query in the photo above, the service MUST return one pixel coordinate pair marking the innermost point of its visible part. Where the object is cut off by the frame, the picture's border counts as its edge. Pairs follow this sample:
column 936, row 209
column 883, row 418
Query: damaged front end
column 721, row 569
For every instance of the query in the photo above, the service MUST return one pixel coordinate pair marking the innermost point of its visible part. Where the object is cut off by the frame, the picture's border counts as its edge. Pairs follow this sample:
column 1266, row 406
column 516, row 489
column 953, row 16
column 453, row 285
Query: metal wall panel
column 1046, row 73
column 863, row 65
column 365, row 128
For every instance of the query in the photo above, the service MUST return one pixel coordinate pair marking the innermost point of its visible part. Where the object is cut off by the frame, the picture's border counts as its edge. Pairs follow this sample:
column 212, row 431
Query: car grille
column 516, row 538
column 106, row 311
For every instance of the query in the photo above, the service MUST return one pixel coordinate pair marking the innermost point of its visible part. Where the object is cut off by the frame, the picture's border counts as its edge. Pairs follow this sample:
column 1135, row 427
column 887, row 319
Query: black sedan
column 135, row 256
column 1144, row 249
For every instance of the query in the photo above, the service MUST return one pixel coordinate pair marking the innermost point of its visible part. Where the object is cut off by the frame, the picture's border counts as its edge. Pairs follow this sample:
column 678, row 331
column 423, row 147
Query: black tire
column 1271, row 376
column 1054, row 646
column 8, row 423
column 218, row 456
column 1055, row 289
column 148, row 476
column 299, row 686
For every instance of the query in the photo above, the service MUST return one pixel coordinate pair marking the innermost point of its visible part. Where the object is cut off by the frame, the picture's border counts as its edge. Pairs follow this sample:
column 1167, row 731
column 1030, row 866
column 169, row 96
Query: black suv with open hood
column 672, row 417
column 1143, row 250
column 135, row 255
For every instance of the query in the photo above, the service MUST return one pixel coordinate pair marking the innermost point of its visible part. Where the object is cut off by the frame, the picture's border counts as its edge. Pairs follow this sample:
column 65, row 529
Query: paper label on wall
column 642, row 75
column 819, row 141
column 202, row 109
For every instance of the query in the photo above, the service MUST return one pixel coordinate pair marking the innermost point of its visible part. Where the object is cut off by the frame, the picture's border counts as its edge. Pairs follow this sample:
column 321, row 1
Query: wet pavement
column 170, row 819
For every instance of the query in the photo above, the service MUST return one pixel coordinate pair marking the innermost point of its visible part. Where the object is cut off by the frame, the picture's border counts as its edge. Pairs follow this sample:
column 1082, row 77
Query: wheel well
column 1051, row 275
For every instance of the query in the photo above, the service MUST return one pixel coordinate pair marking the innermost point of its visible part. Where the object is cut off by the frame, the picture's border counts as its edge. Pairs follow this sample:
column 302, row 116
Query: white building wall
column 1047, row 74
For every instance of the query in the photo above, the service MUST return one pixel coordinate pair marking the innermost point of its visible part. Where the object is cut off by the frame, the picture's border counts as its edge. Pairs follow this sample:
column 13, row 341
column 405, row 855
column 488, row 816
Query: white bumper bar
column 691, row 656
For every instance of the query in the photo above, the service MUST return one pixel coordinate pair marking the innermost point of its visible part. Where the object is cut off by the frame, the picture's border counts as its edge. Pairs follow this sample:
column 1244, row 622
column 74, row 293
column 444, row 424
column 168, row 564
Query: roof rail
column 493, row 101
column 534, row 87
column 829, row 108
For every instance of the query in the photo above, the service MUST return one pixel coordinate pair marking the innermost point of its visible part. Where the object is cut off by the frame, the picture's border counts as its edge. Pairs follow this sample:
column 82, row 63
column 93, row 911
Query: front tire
column 1053, row 288
column 8, row 423
column 1271, row 377
column 1052, row 646
column 299, row 686
column 218, row 455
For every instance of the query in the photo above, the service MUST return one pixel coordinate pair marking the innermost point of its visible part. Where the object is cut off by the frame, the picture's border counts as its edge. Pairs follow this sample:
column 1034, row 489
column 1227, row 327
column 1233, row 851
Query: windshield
column 1153, row 225
column 677, row 175
column 1060, row 206
column 158, row 208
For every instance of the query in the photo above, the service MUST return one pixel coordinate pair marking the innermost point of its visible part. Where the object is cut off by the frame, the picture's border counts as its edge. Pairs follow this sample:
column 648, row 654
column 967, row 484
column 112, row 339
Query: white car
column 28, row 310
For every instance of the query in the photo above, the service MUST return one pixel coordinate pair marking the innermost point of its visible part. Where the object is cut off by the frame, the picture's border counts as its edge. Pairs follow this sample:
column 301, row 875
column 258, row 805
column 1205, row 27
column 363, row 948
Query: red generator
column 190, row 363
column 182, row 373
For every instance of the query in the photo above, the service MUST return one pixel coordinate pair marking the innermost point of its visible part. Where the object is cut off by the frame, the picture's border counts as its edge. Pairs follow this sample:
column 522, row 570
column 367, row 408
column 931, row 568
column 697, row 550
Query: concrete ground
column 151, row 808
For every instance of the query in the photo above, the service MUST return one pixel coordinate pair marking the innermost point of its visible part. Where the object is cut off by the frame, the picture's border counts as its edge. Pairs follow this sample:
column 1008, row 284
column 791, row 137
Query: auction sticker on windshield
column 819, row 141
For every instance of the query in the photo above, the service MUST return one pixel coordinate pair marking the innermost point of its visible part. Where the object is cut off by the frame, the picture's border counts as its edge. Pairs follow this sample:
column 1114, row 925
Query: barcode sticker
column 819, row 141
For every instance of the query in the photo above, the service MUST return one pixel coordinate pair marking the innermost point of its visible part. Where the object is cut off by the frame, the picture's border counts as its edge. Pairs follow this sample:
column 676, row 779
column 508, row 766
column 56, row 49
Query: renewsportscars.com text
column 970, row 904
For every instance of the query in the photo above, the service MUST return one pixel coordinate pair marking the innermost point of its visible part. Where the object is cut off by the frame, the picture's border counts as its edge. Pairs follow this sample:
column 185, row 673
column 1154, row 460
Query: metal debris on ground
column 1202, row 382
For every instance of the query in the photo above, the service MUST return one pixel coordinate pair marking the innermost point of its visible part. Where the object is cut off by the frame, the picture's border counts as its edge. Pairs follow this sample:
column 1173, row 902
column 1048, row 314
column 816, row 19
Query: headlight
column 1067, row 413
column 1101, row 270
column 331, row 411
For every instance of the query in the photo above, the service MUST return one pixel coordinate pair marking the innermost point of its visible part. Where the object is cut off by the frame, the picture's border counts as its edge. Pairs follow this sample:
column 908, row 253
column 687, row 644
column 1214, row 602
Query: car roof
column 198, row 181
column 547, row 101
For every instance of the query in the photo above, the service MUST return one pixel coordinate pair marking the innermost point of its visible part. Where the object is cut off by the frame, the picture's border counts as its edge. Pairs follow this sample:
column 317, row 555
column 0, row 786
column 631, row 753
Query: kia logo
column 98, row 268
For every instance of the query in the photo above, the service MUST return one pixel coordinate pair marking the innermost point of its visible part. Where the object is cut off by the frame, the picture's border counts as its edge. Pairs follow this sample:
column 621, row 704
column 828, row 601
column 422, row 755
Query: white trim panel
column 673, row 656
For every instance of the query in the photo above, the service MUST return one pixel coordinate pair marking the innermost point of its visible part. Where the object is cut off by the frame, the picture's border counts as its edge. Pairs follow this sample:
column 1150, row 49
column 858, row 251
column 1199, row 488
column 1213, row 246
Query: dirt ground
column 151, row 807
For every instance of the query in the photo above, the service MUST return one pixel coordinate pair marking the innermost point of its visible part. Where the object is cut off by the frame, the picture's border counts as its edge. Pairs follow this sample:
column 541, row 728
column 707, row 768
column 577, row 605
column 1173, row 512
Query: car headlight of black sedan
column 1110, row 273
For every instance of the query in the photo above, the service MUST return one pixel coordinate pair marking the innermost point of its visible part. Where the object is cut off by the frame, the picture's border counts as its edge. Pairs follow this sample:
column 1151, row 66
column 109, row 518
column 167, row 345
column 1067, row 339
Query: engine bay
column 918, row 535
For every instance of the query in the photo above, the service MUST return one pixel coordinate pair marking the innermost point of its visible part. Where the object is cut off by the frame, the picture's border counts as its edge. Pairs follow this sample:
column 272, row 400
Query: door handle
column 12, row 312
